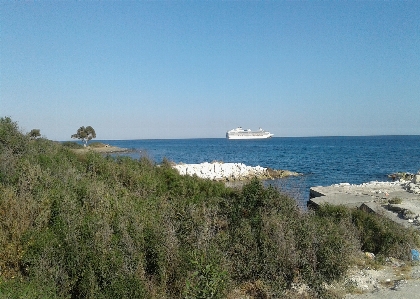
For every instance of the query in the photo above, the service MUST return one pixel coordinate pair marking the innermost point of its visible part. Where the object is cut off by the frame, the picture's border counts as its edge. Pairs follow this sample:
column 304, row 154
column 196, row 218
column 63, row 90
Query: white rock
column 219, row 171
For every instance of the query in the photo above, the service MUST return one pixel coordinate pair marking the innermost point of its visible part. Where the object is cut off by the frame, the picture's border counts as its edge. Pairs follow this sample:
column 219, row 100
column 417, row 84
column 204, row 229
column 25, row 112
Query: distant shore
column 106, row 149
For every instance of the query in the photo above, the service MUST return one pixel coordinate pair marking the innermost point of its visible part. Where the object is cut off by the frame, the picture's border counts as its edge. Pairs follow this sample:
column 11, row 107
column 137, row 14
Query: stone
column 229, row 171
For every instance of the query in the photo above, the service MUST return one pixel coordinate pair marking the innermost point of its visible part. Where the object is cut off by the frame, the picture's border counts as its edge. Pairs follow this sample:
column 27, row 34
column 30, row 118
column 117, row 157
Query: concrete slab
column 372, row 197
column 350, row 200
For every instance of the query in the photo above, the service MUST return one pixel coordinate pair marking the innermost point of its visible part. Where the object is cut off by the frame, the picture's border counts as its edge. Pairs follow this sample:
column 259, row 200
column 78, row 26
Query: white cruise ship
column 240, row 133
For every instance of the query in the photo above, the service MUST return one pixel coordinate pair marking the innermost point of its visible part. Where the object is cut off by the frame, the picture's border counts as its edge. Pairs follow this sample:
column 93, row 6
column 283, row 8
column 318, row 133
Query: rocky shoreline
column 106, row 149
column 219, row 171
column 397, row 200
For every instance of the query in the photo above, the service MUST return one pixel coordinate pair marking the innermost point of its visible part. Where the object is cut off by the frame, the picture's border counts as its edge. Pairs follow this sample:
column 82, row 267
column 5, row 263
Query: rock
column 370, row 255
column 407, row 215
column 404, row 176
column 230, row 171
column 394, row 262
column 398, row 284
column 395, row 208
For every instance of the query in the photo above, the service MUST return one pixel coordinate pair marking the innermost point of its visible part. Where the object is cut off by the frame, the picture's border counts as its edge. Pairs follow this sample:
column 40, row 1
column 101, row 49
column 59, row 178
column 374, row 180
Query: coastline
column 106, row 149
column 303, row 155
column 397, row 200
column 216, row 171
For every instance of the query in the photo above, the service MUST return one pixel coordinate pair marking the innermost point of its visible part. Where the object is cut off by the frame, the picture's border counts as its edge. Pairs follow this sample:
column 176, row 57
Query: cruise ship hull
column 249, row 137
column 240, row 133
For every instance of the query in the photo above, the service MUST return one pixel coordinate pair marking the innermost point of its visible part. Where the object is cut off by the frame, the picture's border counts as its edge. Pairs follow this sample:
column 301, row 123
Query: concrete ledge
column 348, row 200
column 372, row 197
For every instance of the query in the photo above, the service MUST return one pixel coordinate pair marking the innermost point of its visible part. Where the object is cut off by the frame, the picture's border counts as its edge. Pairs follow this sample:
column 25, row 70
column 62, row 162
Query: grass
column 72, row 144
column 96, row 144
column 94, row 226
column 395, row 200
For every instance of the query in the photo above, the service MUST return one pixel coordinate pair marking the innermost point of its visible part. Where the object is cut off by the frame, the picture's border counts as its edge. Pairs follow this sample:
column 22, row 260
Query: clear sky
column 192, row 69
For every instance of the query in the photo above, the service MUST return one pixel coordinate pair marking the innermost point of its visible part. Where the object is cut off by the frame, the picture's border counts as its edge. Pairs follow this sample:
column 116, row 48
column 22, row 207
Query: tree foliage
column 85, row 134
column 34, row 133
column 11, row 138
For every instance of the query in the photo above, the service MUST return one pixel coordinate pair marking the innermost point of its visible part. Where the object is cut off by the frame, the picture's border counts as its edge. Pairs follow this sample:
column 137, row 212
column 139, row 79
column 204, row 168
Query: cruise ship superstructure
column 240, row 133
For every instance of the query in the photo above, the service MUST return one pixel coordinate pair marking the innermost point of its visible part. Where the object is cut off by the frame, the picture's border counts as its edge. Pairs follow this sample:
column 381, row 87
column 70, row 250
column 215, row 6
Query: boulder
column 230, row 171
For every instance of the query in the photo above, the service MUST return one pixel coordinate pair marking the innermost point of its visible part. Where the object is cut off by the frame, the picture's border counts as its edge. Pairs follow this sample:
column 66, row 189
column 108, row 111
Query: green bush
column 72, row 144
column 96, row 144
column 11, row 138
column 377, row 234
column 380, row 235
column 206, row 280
column 27, row 288
column 395, row 200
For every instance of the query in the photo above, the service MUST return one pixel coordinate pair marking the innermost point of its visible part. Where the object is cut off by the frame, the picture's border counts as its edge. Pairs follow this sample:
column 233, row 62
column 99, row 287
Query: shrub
column 72, row 144
column 395, row 200
column 11, row 138
column 375, row 233
column 380, row 235
column 96, row 144
column 335, row 213
column 27, row 288
column 272, row 242
column 207, row 279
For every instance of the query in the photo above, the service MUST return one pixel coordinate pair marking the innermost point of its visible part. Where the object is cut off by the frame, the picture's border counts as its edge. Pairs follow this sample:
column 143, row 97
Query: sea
column 322, row 161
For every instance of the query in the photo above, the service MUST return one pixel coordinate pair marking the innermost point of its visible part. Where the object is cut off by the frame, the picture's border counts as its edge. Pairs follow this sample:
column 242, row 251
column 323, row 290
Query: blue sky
column 192, row 69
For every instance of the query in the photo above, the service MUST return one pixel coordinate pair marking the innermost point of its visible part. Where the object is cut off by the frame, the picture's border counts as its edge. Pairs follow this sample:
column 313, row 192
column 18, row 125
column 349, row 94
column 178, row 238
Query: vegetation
column 73, row 145
column 85, row 134
column 34, row 133
column 97, row 144
column 90, row 226
column 395, row 200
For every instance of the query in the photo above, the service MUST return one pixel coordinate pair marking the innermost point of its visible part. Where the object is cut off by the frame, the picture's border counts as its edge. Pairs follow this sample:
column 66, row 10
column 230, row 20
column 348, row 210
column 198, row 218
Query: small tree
column 34, row 133
column 85, row 134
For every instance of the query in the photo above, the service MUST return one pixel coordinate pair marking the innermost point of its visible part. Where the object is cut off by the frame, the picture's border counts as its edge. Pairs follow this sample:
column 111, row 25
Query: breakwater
column 219, row 171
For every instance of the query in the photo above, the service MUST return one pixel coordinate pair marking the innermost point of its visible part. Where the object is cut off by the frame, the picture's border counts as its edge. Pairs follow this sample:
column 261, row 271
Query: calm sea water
column 322, row 160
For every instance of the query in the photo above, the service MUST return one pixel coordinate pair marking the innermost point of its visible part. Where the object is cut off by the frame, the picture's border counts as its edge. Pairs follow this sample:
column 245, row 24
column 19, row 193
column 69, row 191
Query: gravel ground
column 393, row 281
column 407, row 289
